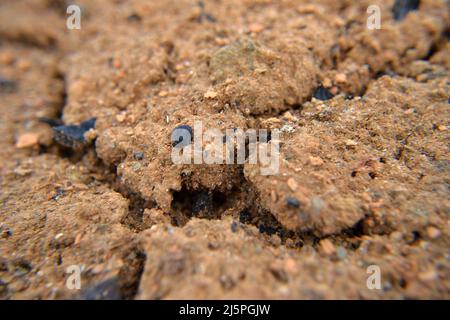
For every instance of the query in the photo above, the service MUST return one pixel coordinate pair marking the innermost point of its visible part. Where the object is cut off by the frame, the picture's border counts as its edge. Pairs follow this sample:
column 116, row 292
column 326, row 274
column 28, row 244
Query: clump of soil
column 87, row 178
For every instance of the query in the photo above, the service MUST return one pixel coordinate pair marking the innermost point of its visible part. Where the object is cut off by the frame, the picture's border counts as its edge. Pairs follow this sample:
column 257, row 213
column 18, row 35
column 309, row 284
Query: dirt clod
column 90, row 120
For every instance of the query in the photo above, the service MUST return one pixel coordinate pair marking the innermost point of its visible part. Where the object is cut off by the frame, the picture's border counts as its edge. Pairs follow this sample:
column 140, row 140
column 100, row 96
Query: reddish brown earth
column 363, row 177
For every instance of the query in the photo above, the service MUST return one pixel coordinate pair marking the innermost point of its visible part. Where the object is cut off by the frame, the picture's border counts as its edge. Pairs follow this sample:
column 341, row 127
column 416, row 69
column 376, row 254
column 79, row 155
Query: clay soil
column 364, row 159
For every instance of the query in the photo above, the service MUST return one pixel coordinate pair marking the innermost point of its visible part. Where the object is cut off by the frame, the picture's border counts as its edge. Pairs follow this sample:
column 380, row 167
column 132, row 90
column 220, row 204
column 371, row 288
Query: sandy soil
column 364, row 162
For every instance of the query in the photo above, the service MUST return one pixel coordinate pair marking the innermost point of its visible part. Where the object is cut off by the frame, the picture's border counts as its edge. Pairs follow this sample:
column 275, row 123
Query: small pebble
column 117, row 64
column 396, row 236
column 105, row 290
column 72, row 136
column 340, row 78
column 58, row 195
column 341, row 252
column 256, row 27
column 327, row 246
column 315, row 161
column 351, row 143
column 210, row 94
column 180, row 132
column 121, row 117
column 5, row 232
column 323, row 94
column 293, row 185
column 6, row 58
column 24, row 65
column 293, row 202
column 433, row 232
column 245, row 216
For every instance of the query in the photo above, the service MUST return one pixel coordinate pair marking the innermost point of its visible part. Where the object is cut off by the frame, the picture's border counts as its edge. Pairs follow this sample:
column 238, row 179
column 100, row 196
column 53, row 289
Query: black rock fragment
column 202, row 204
column 323, row 94
column 72, row 136
column 403, row 7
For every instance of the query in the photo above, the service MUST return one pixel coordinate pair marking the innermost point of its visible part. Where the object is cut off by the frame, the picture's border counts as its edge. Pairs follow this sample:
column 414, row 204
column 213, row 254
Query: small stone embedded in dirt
column 5, row 232
column 134, row 17
column 323, row 94
column 279, row 274
column 51, row 122
column 341, row 252
column 105, row 290
column 205, row 15
column 234, row 226
column 138, row 155
column 232, row 59
column 327, row 246
column 364, row 161
column 72, row 136
column 402, row 7
column 59, row 193
column 293, row 202
column 182, row 136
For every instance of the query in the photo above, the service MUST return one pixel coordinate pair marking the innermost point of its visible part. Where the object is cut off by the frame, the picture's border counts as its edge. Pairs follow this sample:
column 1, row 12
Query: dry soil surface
column 364, row 159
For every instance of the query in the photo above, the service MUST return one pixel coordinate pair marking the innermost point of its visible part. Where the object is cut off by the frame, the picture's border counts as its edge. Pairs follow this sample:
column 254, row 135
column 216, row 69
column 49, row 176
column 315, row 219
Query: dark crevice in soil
column 206, row 204
column 134, row 218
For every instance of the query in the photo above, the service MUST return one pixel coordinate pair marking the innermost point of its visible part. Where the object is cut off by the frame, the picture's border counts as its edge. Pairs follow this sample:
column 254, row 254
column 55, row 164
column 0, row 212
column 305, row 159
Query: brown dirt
column 363, row 176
